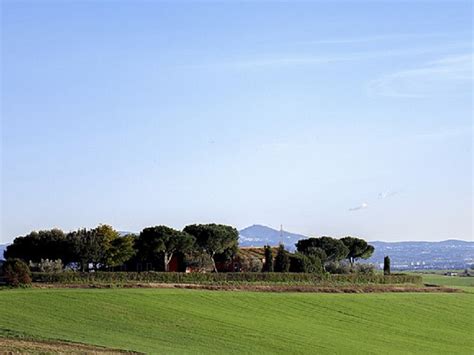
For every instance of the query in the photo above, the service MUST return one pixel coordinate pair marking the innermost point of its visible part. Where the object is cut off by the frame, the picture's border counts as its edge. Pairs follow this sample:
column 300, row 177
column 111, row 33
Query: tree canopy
column 99, row 247
column 325, row 248
column 358, row 249
column 45, row 244
column 161, row 243
column 215, row 239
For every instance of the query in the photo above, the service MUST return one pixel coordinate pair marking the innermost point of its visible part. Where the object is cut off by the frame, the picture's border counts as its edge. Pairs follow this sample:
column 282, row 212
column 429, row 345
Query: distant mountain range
column 448, row 254
column 258, row 235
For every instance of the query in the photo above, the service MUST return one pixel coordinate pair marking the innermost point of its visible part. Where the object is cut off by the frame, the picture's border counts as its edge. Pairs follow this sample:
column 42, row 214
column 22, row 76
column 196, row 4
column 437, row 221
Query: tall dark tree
column 162, row 242
column 46, row 244
column 215, row 239
column 88, row 248
column 386, row 265
column 358, row 249
column 282, row 260
column 325, row 248
column 268, row 263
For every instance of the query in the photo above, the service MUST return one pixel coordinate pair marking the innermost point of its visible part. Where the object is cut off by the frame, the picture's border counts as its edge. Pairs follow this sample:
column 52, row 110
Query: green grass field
column 191, row 321
column 442, row 280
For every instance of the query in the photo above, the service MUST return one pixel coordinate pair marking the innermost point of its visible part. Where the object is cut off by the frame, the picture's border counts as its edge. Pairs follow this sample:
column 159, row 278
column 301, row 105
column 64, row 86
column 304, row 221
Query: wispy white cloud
column 298, row 59
column 375, row 38
column 447, row 76
column 446, row 133
column 387, row 194
column 381, row 196
column 360, row 207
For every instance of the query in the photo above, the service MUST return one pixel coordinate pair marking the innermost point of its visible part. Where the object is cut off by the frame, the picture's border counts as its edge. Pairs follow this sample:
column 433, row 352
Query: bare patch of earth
column 29, row 346
column 270, row 288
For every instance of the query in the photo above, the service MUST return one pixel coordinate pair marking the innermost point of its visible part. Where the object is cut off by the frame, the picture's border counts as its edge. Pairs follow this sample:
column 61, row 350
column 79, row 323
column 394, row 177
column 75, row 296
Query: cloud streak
column 360, row 207
column 281, row 60
column 375, row 38
column 387, row 194
column 450, row 76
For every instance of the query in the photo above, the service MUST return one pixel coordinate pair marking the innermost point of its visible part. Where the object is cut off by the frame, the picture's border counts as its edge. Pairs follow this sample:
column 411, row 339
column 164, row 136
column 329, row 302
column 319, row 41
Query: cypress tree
column 268, row 266
column 386, row 265
column 282, row 260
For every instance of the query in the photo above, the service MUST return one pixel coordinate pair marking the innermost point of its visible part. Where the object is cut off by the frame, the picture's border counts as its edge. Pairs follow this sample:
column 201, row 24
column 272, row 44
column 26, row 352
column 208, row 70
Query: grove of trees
column 202, row 247
column 102, row 248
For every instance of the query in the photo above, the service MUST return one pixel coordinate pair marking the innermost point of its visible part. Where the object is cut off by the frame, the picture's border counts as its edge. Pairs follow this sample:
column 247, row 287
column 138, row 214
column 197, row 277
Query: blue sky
column 331, row 118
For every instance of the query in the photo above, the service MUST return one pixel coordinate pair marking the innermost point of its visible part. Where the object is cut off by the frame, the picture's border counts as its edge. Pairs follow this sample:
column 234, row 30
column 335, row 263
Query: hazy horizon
column 329, row 118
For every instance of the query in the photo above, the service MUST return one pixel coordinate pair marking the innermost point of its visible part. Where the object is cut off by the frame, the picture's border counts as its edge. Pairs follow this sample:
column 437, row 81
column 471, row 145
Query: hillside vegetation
column 190, row 321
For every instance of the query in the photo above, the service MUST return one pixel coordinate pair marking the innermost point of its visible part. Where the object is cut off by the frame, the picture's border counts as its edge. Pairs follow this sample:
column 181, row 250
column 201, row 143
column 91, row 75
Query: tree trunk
column 167, row 259
column 166, row 262
column 214, row 263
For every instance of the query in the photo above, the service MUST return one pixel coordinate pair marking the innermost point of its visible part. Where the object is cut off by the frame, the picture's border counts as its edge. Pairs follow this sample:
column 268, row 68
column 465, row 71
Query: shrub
column 250, row 264
column 306, row 264
column 334, row 267
column 16, row 273
column 69, row 277
column 198, row 261
column 315, row 266
column 365, row 269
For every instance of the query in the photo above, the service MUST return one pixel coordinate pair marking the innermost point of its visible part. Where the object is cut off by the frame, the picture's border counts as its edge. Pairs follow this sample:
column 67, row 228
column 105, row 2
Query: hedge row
column 219, row 278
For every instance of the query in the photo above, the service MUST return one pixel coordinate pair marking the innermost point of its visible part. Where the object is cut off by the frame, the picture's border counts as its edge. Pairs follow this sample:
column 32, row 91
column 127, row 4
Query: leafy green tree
column 215, row 239
column 386, row 265
column 92, row 245
column 358, row 249
column 102, row 247
column 162, row 242
column 325, row 248
column 282, row 260
column 268, row 263
column 121, row 249
column 16, row 272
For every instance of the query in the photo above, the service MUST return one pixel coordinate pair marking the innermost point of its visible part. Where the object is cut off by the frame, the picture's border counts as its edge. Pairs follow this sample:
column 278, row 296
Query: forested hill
column 447, row 254
column 258, row 235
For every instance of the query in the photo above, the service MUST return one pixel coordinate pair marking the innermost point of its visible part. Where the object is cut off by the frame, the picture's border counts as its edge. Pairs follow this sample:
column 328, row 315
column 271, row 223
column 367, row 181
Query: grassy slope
column 186, row 321
column 448, row 280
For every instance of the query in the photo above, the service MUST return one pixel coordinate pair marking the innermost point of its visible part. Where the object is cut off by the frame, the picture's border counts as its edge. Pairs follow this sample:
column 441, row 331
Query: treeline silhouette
column 198, row 247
